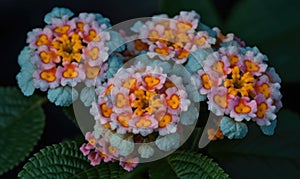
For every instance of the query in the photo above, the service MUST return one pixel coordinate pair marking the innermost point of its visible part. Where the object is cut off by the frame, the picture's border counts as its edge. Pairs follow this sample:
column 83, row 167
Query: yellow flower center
column 201, row 41
column 69, row 48
column 108, row 89
column 123, row 120
column 264, row 89
column 251, row 66
column 121, row 100
column 182, row 37
column 183, row 54
column 218, row 67
column 221, row 101
column 48, row 75
column 162, row 51
column 70, row 72
column 261, row 110
column 62, row 29
column 242, row 108
column 169, row 84
column 165, row 120
column 94, row 53
column 139, row 45
column 206, row 82
column 105, row 111
column 93, row 36
column 112, row 149
column 130, row 83
column 183, row 27
column 151, row 81
column 240, row 84
column 46, row 56
column 42, row 40
column 146, row 102
column 174, row 101
column 233, row 60
column 153, row 36
column 91, row 72
column 92, row 141
column 80, row 26
column 143, row 123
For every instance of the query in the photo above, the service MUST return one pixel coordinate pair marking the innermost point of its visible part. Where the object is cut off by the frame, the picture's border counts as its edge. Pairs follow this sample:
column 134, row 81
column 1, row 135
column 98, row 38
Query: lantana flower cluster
column 139, row 111
column 171, row 38
column 67, row 51
column 144, row 95
column 241, row 87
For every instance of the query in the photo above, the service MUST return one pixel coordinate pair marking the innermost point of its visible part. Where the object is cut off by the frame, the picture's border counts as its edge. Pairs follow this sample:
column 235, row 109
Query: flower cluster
column 144, row 96
column 98, row 150
column 143, row 104
column 65, row 52
column 240, row 85
column 171, row 38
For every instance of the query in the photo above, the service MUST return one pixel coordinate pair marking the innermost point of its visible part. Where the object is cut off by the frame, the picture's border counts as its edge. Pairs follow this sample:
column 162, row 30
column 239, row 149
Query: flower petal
column 57, row 13
column 87, row 96
column 62, row 96
column 25, row 82
column 168, row 142
column 269, row 130
column 116, row 42
column 232, row 129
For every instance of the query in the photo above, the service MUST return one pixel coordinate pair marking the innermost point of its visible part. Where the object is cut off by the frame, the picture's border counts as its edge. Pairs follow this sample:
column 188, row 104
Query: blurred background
column 272, row 26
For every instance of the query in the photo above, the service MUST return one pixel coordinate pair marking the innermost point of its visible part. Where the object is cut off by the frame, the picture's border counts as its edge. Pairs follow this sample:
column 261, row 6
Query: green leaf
column 21, row 125
column 277, row 156
column 161, row 169
column 64, row 160
column 204, row 7
column 273, row 26
column 188, row 164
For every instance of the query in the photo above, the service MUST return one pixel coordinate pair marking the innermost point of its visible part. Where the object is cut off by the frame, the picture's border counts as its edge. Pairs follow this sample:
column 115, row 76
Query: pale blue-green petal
column 142, row 58
column 115, row 140
column 196, row 58
column 179, row 70
column 25, row 56
column 203, row 27
column 146, row 151
column 165, row 65
column 25, row 82
column 57, row 12
column 87, row 96
column 203, row 97
column 126, row 147
column 230, row 43
column 62, row 96
column 116, row 42
column 114, row 64
column 193, row 93
column 168, row 142
column 233, row 129
column 190, row 116
column 136, row 26
column 102, row 20
column 269, row 130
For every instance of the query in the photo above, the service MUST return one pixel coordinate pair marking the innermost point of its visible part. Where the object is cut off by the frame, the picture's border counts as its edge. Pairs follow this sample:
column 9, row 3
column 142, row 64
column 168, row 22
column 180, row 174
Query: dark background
column 20, row 16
